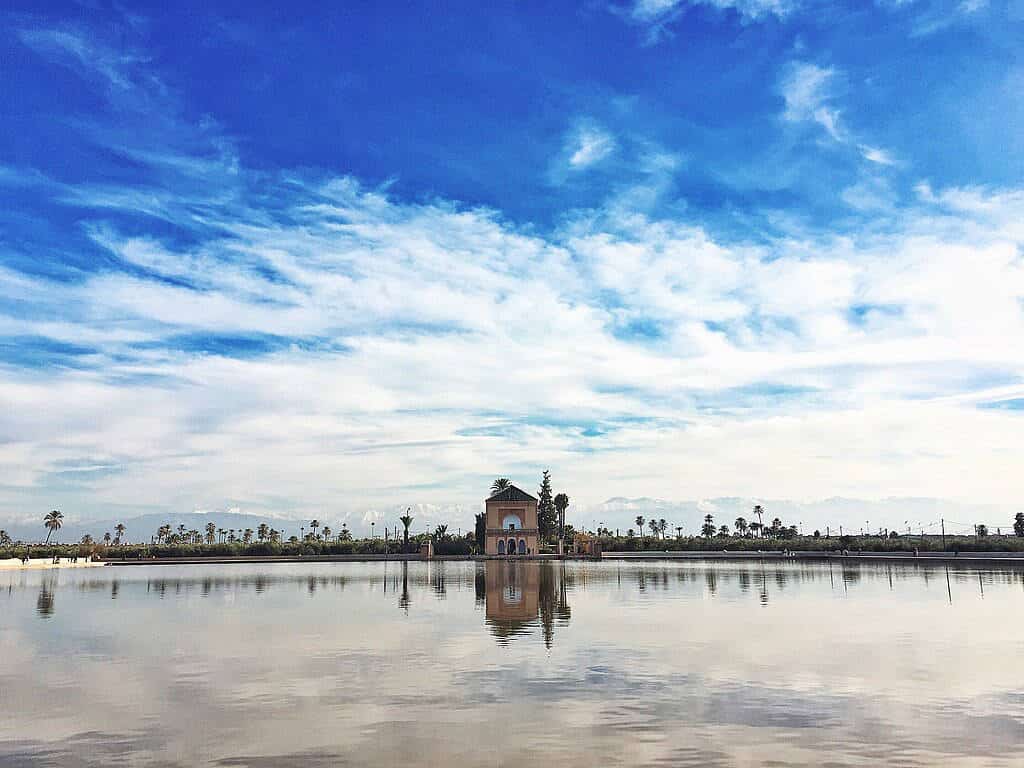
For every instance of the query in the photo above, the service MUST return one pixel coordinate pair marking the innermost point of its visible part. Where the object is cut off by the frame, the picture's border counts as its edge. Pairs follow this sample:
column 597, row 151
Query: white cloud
column 116, row 66
column 427, row 348
column 876, row 155
column 653, row 10
column 657, row 16
column 593, row 146
column 930, row 18
column 807, row 91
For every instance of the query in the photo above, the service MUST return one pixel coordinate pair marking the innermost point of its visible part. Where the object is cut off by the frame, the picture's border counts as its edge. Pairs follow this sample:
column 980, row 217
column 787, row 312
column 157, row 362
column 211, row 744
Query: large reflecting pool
column 631, row 663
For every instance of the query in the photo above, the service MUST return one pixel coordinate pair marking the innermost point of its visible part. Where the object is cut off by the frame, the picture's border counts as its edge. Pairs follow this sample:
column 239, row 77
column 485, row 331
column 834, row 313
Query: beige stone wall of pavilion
column 497, row 511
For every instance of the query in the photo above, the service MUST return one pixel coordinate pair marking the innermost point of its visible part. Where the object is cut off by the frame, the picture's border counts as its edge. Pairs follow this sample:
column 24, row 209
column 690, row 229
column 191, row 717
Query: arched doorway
column 511, row 546
column 501, row 546
column 522, row 546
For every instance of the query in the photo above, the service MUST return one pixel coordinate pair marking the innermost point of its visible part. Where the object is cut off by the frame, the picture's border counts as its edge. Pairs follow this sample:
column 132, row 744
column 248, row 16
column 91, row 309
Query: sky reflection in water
column 695, row 663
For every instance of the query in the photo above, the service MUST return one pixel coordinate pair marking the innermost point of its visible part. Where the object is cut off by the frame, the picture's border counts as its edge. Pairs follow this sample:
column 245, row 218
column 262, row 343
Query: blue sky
column 295, row 259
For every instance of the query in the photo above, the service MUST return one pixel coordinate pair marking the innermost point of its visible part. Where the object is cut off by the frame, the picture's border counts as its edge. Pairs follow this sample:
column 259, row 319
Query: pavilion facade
column 511, row 523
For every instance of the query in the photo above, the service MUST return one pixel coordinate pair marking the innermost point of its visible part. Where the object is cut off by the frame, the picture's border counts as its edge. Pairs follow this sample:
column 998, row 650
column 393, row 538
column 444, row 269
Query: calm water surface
column 650, row 663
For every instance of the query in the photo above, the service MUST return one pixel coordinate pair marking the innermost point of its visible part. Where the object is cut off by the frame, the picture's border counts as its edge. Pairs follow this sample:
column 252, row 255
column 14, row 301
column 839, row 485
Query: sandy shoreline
column 37, row 563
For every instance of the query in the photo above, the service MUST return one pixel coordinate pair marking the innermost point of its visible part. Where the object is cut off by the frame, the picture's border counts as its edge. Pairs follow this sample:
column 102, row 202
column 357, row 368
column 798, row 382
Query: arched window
column 501, row 546
column 511, row 546
column 512, row 523
column 522, row 546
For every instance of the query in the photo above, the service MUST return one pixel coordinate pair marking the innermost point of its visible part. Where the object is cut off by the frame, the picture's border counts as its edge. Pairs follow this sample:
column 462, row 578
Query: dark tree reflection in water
column 44, row 602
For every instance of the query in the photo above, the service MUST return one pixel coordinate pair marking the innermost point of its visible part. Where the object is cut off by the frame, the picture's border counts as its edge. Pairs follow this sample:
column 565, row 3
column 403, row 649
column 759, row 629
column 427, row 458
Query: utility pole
column 943, row 533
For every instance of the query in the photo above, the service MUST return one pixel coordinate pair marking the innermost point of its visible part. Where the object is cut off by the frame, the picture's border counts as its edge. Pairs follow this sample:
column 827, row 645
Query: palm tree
column 662, row 526
column 313, row 525
column 87, row 539
column 119, row 529
column 5, row 539
column 654, row 526
column 741, row 526
column 679, row 531
column 247, row 536
column 327, row 533
column 346, row 535
column 561, row 502
column 500, row 485
column 53, row 521
column 758, row 513
column 776, row 527
column 274, row 535
column 709, row 526
column 106, row 538
column 441, row 532
column 640, row 525
column 406, row 522
column 262, row 531
column 221, row 533
column 181, row 531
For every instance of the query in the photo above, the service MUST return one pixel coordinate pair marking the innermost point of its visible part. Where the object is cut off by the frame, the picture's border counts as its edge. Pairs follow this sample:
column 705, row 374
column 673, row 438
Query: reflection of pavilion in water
column 520, row 595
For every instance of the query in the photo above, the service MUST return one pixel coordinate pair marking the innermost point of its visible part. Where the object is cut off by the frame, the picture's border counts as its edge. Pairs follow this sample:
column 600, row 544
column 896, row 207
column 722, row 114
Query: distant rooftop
column 512, row 493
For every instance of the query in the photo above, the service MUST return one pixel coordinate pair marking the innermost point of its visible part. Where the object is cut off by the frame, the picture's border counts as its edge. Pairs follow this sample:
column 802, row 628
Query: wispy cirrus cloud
column 656, row 10
column 586, row 146
column 590, row 145
column 117, row 67
column 657, row 16
column 808, row 91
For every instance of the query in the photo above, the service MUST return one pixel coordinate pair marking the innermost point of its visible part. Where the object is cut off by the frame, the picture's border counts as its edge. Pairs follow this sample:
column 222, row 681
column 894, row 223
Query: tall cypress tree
column 547, row 520
column 481, row 530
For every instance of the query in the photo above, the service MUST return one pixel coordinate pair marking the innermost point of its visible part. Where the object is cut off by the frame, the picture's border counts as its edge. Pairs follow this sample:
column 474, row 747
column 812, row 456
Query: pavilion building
column 511, row 523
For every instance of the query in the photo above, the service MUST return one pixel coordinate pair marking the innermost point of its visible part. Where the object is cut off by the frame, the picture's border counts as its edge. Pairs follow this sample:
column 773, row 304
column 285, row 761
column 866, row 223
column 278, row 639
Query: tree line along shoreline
column 322, row 540
column 456, row 546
